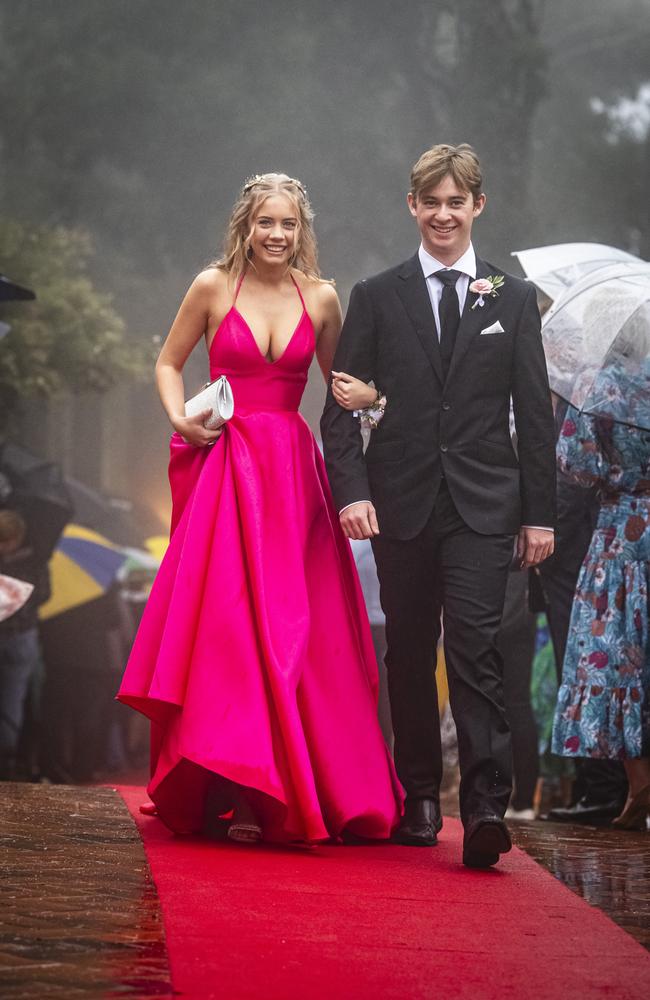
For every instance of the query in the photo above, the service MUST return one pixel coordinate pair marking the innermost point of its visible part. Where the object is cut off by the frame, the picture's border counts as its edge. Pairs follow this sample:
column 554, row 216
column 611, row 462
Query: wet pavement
column 609, row 868
column 79, row 914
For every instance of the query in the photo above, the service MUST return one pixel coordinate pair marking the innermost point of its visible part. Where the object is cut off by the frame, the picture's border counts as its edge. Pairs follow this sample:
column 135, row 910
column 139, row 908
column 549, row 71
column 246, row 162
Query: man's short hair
column 459, row 162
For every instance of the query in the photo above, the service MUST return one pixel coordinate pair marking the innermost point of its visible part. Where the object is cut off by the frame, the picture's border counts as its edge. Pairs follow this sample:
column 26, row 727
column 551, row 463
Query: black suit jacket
column 459, row 426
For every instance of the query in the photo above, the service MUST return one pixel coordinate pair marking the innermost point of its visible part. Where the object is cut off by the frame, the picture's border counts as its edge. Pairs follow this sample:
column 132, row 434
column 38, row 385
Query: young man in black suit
column 449, row 339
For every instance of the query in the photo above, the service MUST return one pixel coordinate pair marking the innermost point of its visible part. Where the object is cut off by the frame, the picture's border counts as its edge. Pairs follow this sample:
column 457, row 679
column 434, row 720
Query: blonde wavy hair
column 255, row 191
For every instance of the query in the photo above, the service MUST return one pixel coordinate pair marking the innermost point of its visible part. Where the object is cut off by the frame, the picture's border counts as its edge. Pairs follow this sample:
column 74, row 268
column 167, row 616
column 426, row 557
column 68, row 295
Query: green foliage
column 70, row 339
column 139, row 119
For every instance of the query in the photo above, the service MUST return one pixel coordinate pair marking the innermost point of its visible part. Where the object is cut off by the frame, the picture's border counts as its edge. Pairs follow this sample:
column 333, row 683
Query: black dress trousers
column 451, row 568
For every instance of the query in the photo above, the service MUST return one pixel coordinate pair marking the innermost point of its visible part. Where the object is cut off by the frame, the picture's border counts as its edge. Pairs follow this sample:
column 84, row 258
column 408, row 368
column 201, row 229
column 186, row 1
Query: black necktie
column 449, row 315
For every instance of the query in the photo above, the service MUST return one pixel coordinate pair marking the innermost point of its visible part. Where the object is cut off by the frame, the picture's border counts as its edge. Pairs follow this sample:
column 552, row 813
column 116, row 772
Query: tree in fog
column 70, row 340
column 137, row 120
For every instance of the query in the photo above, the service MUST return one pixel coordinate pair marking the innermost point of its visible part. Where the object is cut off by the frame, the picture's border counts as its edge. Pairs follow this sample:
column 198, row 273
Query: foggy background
column 134, row 123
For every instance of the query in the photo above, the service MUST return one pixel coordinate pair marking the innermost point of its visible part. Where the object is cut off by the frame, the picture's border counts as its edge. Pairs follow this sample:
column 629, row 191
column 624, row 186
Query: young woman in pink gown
column 254, row 658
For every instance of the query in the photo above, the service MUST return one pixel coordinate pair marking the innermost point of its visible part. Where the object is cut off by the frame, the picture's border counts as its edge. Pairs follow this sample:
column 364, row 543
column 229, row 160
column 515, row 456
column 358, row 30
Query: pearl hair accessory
column 261, row 178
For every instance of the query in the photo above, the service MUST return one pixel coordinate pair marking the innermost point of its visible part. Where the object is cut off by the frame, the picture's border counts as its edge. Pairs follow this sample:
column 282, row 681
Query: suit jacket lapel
column 472, row 320
column 412, row 290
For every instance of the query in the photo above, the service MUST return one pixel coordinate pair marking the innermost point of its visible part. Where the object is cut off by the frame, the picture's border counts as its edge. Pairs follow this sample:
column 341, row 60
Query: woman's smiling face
column 274, row 233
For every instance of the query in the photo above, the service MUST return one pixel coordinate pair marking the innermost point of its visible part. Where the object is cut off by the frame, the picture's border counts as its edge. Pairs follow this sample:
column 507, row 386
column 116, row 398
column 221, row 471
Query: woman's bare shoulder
column 211, row 281
column 321, row 292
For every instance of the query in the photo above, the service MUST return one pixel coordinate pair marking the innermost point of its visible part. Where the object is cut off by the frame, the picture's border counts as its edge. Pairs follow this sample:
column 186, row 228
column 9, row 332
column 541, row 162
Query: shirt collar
column 466, row 264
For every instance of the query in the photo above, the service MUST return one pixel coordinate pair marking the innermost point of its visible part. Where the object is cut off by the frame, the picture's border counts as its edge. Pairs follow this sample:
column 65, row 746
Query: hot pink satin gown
column 254, row 657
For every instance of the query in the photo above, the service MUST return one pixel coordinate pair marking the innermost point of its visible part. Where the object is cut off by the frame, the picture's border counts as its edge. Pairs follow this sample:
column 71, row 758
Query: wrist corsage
column 371, row 416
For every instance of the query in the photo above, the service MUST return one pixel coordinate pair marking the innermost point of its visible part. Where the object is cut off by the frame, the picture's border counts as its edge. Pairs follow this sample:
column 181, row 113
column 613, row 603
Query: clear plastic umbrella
column 597, row 343
column 555, row 267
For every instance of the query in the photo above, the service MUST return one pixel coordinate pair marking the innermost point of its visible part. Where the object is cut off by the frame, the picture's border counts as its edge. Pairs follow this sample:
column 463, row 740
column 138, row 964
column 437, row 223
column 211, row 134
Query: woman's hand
column 193, row 432
column 351, row 393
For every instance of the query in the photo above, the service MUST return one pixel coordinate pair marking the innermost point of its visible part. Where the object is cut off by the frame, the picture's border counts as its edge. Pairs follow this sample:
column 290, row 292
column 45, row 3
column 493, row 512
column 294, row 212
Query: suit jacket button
column 446, row 406
column 443, row 447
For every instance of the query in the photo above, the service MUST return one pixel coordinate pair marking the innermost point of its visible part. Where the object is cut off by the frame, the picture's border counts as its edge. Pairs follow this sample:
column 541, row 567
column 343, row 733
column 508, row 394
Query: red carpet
column 378, row 923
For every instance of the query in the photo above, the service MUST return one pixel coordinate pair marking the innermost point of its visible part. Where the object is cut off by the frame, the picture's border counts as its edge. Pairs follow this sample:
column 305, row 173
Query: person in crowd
column 600, row 788
column 603, row 709
column 254, row 657
column 365, row 563
column 84, row 649
column 516, row 644
column 577, row 513
column 20, row 654
column 440, row 491
column 133, row 734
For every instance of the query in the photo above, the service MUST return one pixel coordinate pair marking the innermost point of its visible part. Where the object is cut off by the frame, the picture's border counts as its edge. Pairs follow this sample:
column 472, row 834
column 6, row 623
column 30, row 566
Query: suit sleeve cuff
column 352, row 505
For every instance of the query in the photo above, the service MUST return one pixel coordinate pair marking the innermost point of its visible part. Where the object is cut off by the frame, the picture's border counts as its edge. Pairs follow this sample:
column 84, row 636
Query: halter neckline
column 235, row 311
column 295, row 284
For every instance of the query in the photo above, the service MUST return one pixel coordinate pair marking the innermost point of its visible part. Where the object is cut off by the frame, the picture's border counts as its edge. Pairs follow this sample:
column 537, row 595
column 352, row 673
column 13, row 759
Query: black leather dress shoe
column 419, row 824
column 588, row 812
column 486, row 838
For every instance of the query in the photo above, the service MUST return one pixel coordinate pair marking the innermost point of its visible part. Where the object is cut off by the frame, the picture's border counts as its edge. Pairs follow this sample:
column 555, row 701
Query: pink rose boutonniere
column 486, row 286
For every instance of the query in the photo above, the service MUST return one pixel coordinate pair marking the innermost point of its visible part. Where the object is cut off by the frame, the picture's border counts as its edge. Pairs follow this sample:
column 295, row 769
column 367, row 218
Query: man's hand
column 359, row 520
column 534, row 545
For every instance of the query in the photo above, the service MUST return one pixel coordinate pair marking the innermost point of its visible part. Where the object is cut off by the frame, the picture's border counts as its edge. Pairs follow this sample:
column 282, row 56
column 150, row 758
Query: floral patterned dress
column 603, row 707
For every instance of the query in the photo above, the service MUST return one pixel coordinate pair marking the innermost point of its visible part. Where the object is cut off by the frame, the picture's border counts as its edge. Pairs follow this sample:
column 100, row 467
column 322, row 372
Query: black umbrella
column 35, row 487
column 11, row 292
column 123, row 522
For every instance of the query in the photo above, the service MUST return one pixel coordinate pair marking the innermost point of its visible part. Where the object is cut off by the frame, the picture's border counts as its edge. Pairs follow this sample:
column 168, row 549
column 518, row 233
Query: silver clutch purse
column 216, row 396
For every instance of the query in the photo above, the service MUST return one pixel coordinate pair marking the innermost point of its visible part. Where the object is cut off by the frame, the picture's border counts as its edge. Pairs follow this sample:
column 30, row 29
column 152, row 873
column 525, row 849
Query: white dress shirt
column 465, row 264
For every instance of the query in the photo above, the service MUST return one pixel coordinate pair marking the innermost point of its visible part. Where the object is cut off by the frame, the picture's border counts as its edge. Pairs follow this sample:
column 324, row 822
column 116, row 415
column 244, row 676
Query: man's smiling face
column 445, row 214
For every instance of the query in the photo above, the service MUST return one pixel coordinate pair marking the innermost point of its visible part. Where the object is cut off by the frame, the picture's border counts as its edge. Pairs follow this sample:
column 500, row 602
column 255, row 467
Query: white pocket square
column 495, row 328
